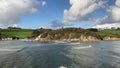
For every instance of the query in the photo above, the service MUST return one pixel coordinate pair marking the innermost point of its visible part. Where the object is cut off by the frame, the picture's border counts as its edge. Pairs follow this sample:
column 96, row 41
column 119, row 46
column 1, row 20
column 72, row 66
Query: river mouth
column 20, row 54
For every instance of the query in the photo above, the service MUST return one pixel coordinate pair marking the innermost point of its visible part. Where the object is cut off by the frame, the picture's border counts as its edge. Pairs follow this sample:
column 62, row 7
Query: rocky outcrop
column 111, row 38
column 88, row 38
column 72, row 34
column 39, row 38
column 81, row 38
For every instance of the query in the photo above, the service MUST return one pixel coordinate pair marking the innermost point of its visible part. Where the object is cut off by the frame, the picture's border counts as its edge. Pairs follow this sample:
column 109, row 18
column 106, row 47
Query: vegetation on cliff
column 66, row 33
column 108, row 34
column 60, row 34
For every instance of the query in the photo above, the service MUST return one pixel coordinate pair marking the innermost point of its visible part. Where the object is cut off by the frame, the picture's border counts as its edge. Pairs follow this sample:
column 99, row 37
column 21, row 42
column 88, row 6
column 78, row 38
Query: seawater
column 26, row 54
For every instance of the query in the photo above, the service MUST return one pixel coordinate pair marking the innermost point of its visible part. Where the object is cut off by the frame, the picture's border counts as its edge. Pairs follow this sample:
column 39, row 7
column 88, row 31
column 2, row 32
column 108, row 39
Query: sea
column 59, row 54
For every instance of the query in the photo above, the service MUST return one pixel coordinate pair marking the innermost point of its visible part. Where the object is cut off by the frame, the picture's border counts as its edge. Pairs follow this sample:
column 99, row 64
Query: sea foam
column 9, row 49
column 62, row 67
column 82, row 47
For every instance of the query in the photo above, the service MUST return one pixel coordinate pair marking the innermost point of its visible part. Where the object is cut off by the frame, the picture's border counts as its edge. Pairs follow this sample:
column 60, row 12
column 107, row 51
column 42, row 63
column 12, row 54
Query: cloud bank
column 108, row 26
column 12, row 10
column 112, row 19
column 80, row 10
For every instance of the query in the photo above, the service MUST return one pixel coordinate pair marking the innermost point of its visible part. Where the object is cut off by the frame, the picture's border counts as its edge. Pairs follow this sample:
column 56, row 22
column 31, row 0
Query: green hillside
column 109, row 33
column 20, row 33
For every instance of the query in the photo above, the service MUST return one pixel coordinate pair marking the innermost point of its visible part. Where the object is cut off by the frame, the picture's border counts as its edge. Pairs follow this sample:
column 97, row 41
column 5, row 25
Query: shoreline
column 74, row 41
column 65, row 40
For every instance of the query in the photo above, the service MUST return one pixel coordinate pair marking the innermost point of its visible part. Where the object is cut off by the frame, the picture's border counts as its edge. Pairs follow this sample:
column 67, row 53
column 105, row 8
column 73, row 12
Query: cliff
column 81, row 38
column 111, row 38
column 67, row 34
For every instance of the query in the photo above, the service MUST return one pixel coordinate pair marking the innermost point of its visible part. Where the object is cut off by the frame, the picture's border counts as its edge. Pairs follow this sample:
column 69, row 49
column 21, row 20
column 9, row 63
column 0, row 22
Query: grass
column 21, row 33
column 110, row 33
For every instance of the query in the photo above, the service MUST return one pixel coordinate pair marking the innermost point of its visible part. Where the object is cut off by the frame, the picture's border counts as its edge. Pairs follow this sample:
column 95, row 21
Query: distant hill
column 66, row 34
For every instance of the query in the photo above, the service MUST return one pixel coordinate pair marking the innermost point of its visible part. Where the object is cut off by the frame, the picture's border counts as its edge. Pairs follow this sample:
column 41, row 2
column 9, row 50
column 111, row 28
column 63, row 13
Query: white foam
column 59, row 42
column 25, row 39
column 82, row 47
column 62, row 67
column 9, row 49
column 76, row 43
column 115, row 56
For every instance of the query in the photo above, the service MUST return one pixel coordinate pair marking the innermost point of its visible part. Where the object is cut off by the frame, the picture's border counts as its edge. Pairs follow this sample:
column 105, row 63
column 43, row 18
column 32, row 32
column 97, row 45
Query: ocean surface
column 58, row 54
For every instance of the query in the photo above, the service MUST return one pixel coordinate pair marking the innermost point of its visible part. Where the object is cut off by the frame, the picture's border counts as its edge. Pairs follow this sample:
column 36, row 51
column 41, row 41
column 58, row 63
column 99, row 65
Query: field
column 109, row 32
column 21, row 33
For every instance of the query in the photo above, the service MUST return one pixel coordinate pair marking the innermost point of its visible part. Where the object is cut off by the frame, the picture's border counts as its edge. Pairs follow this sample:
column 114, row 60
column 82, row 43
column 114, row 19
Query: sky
column 60, row 13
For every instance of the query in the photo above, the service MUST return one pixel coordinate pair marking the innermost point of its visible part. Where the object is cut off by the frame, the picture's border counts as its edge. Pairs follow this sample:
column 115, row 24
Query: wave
column 60, row 42
column 65, row 42
column 62, row 67
column 9, row 49
column 74, row 43
column 82, row 47
column 115, row 56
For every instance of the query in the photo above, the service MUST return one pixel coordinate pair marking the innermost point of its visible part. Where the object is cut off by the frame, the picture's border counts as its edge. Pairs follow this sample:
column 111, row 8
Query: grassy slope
column 109, row 33
column 21, row 33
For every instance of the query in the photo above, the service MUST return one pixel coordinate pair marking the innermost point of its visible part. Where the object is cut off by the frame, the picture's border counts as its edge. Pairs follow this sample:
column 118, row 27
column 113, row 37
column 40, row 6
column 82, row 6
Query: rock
column 81, row 38
column 111, row 38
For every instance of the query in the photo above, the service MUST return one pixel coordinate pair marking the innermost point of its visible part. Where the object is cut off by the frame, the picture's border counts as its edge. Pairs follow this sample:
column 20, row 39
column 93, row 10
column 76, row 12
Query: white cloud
column 12, row 10
column 44, row 3
column 112, row 18
column 81, row 10
column 118, row 3
column 108, row 26
column 15, row 25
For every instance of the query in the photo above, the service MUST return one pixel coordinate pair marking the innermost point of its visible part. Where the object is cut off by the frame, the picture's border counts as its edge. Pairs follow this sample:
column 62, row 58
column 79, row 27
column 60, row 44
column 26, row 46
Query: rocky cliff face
column 72, row 34
column 88, row 38
column 111, row 38
column 81, row 38
column 39, row 38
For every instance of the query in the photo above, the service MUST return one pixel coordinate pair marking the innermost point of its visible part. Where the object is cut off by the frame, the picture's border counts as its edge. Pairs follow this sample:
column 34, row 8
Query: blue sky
column 78, row 13
column 52, row 11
